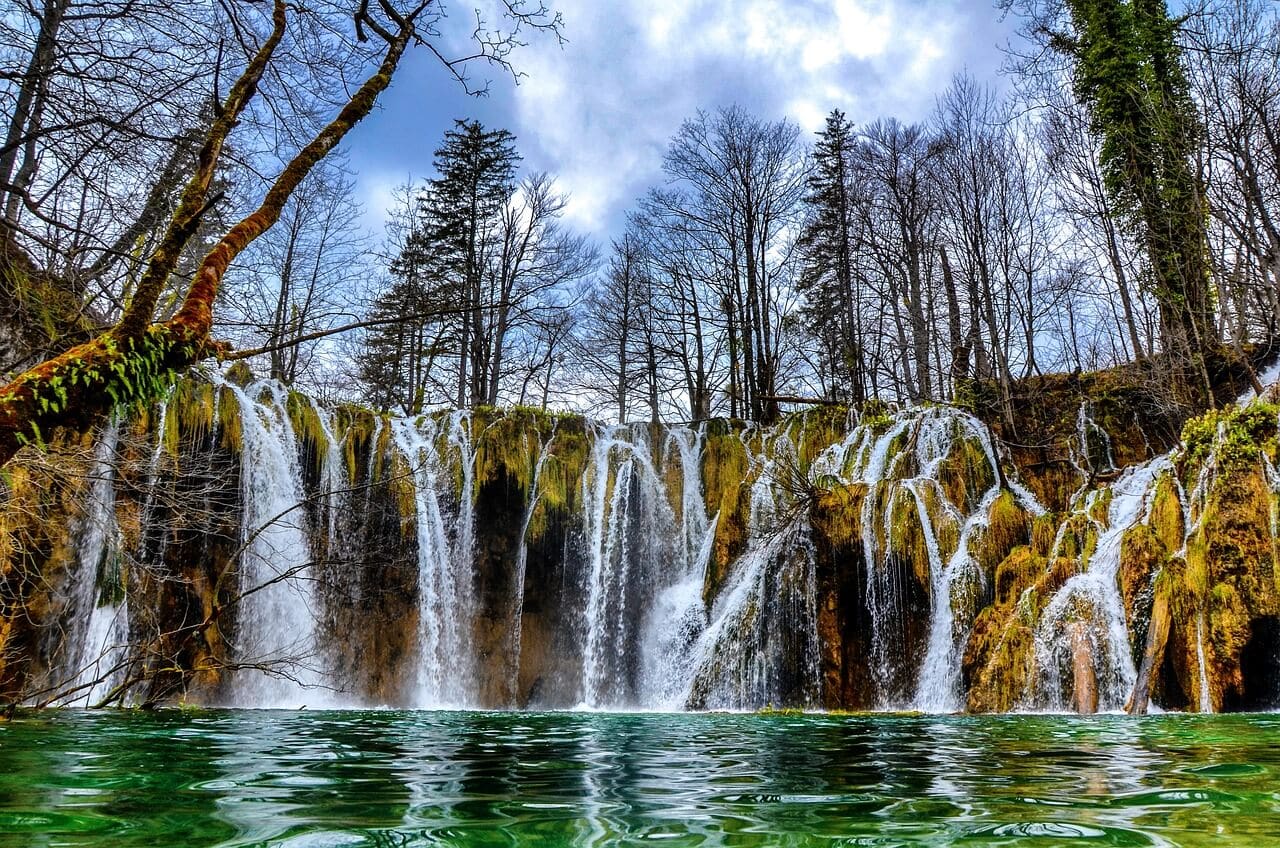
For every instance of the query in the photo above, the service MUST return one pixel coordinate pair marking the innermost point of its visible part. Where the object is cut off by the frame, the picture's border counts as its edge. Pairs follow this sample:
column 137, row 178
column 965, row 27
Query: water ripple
column 380, row 779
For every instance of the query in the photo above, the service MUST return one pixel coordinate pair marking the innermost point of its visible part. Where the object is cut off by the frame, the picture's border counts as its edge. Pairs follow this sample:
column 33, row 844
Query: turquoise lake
column 264, row 778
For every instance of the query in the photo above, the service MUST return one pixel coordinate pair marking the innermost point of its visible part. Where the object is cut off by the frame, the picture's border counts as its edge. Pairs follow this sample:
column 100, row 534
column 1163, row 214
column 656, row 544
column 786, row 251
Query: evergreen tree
column 460, row 213
column 828, row 245
column 439, row 302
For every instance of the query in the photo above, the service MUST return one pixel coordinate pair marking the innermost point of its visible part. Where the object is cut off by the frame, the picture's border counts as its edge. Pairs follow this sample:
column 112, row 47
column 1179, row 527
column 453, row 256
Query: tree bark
column 79, row 387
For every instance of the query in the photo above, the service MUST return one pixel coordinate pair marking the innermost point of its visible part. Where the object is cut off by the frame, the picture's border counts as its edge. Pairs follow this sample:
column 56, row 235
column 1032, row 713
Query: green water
column 472, row 779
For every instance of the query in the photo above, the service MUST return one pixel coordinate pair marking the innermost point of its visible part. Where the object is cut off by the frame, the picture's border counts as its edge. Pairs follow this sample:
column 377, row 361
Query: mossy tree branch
column 78, row 387
column 194, row 202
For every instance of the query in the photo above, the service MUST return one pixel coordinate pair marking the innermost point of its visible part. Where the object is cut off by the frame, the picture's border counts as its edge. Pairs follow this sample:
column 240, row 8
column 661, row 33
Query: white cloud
column 598, row 113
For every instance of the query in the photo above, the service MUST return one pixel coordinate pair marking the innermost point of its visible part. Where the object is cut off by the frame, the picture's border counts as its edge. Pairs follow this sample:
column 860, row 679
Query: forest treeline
column 1114, row 197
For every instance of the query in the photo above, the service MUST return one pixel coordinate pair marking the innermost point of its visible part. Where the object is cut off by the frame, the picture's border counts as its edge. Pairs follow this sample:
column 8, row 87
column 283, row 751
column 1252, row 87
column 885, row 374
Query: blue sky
column 598, row 112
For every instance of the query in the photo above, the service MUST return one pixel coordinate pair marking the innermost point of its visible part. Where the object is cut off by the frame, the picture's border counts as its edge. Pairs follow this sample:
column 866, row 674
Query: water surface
column 241, row 778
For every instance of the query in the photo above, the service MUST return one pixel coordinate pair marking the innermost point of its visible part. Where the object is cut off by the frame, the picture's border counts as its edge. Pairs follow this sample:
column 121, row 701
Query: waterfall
column 626, row 606
column 277, row 610
column 1087, row 431
column 1206, row 700
column 882, row 600
column 938, row 689
column 760, row 646
column 1091, row 600
column 956, row 587
column 907, row 457
column 98, row 647
column 332, row 484
column 678, row 614
column 515, row 637
column 634, row 548
column 446, row 596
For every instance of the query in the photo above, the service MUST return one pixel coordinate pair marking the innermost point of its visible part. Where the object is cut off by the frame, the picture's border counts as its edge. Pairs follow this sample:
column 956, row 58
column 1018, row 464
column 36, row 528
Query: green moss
column 507, row 445
column 875, row 415
column 305, row 420
column 814, row 430
column 1235, row 435
column 907, row 541
column 1008, row 526
column 837, row 515
column 1079, row 536
column 1143, row 555
column 1099, row 509
column 355, row 426
column 230, row 427
column 726, row 465
column 560, row 483
column 965, row 475
column 240, row 373
column 1016, row 573
column 1044, row 529
column 1167, row 519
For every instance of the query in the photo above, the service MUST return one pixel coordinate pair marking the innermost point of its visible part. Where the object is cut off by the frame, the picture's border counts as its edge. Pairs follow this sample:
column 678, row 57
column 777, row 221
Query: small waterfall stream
column 1205, row 700
column 678, row 615
column 645, row 557
column 1089, row 606
column 100, row 635
column 278, row 608
column 760, row 645
column 514, row 640
column 446, row 599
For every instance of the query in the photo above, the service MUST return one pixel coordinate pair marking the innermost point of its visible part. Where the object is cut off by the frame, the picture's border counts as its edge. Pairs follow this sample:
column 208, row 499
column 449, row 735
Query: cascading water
column 907, row 458
column 957, row 587
column 1089, row 606
column 515, row 625
column 678, row 614
column 1205, row 700
column 642, row 563
column 277, row 612
column 742, row 659
column 99, row 645
column 332, row 487
column 631, row 610
column 446, row 597
column 1094, row 447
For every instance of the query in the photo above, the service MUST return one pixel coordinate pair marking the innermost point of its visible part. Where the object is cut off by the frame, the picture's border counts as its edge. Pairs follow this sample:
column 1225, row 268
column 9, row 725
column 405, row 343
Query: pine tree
column 440, row 300
column 828, row 245
column 460, row 212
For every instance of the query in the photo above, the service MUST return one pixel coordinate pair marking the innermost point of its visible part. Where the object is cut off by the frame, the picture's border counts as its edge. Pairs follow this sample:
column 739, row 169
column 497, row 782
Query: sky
column 598, row 111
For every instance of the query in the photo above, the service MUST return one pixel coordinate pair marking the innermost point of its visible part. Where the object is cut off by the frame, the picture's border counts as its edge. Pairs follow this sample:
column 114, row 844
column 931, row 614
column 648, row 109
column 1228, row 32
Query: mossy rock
column 999, row 660
column 726, row 467
column 1008, row 526
column 1142, row 556
column 814, row 430
column 1235, row 436
column 1044, row 529
column 1168, row 521
column 1230, row 574
column 836, row 516
column 907, row 542
column 966, row 475
column 1019, row 571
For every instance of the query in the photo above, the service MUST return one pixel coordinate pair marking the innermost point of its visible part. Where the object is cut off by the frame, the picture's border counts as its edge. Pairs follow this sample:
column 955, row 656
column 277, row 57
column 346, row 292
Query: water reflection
column 245, row 778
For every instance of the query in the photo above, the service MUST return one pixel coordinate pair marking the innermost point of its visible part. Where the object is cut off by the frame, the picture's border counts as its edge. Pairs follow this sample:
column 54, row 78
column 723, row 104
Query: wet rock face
column 844, row 622
column 499, row 510
column 43, row 504
column 369, row 576
column 895, row 564
column 186, row 569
